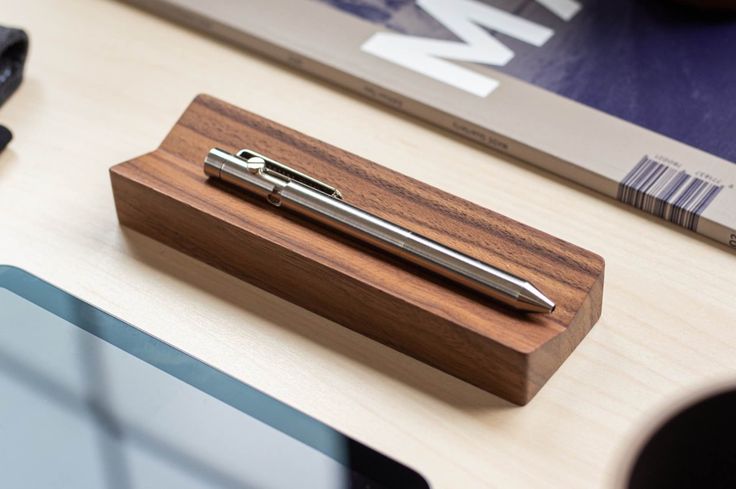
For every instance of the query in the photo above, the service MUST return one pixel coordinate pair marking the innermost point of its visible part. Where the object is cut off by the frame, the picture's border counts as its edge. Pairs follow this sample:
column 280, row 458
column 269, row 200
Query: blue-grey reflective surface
column 77, row 410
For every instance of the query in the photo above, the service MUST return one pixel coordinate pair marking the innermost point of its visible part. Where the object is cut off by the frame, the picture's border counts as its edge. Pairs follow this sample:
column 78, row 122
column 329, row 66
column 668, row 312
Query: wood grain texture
column 165, row 195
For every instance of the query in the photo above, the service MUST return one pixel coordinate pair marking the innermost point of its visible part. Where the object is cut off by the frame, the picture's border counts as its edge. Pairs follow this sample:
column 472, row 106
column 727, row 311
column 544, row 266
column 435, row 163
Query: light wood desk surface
column 105, row 82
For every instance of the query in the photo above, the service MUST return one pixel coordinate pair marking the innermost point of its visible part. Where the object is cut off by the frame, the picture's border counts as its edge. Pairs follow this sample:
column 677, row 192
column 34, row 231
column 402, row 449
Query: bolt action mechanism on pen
column 283, row 186
column 259, row 174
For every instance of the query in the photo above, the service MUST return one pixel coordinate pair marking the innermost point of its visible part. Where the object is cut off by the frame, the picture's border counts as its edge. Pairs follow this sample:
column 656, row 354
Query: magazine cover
column 633, row 98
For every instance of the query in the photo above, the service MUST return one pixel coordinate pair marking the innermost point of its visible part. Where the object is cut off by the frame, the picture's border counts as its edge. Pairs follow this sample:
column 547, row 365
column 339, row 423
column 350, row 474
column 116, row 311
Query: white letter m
column 463, row 18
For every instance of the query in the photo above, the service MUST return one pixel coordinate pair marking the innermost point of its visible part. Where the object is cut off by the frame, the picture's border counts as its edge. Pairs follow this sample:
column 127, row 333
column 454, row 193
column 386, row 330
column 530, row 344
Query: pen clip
column 281, row 170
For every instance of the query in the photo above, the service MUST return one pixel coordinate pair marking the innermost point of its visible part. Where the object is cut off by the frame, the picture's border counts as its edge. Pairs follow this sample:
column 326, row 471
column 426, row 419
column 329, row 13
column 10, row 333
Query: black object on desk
column 13, row 52
column 5, row 137
column 694, row 448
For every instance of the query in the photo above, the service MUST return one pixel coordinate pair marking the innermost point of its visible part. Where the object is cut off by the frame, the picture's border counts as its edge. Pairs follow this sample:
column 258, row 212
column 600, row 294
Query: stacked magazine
column 633, row 98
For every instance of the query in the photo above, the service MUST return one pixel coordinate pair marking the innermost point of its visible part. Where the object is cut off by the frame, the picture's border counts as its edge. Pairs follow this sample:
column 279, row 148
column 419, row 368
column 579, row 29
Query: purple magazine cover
column 661, row 66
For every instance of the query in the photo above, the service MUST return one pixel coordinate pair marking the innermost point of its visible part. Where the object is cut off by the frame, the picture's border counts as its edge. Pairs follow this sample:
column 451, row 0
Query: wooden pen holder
column 165, row 195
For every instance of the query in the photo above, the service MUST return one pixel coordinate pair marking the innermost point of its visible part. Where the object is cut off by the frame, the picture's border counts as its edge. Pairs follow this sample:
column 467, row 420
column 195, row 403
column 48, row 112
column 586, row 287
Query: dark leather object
column 13, row 51
column 5, row 137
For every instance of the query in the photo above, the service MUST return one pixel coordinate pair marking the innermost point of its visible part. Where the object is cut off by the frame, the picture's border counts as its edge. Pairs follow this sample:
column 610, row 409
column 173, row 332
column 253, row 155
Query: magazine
column 635, row 99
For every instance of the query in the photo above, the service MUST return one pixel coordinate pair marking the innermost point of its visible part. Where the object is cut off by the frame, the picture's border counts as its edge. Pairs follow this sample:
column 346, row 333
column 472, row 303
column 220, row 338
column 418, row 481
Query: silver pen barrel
column 429, row 254
column 334, row 213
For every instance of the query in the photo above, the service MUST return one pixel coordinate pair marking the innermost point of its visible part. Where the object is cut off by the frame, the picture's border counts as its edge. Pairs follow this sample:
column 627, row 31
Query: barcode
column 667, row 192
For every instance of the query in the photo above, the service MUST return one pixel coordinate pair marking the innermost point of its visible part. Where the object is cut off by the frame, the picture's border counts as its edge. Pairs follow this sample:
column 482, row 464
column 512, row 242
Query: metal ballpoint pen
column 288, row 188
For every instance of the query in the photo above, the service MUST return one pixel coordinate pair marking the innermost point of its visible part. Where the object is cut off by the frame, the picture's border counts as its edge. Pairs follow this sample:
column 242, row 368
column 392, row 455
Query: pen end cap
column 212, row 164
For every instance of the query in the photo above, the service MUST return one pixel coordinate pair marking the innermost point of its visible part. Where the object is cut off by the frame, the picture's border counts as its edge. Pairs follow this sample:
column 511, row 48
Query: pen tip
column 534, row 300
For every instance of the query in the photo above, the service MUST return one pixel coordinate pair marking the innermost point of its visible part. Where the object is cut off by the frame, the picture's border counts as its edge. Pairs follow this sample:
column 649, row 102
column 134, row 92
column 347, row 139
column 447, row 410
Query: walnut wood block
column 165, row 195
